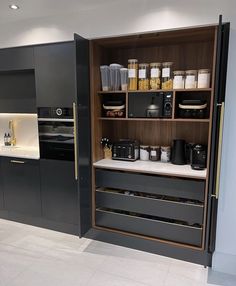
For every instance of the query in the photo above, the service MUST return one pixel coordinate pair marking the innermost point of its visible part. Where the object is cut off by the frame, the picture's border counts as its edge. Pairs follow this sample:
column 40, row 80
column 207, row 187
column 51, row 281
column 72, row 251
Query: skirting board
column 224, row 262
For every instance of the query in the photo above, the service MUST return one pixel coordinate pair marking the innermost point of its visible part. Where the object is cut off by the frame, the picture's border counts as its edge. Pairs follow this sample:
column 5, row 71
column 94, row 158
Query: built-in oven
column 57, row 130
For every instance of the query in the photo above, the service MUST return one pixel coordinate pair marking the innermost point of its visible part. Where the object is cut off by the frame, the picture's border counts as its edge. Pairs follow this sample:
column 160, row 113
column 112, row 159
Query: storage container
column 143, row 77
column 179, row 79
column 154, row 153
column 165, row 154
column 167, row 81
column 115, row 76
column 124, row 78
column 144, row 152
column 204, row 78
column 191, row 79
column 155, row 76
column 133, row 74
column 105, row 78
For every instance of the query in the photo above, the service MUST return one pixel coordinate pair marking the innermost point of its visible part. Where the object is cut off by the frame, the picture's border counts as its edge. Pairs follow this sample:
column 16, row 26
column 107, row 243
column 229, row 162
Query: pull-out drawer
column 149, row 227
column 188, row 212
column 159, row 185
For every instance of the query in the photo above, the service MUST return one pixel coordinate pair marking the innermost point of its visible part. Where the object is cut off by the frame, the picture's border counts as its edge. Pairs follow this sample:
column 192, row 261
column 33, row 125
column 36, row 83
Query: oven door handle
column 75, row 139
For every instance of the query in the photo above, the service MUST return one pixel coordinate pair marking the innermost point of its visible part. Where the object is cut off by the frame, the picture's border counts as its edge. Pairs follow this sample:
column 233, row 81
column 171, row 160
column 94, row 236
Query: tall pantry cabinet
column 171, row 212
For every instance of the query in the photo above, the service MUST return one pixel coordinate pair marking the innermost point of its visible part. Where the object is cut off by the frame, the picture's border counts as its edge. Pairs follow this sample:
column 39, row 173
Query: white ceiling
column 44, row 8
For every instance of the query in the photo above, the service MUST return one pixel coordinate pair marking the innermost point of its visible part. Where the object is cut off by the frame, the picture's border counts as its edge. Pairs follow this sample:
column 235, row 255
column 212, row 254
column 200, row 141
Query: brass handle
column 219, row 151
column 17, row 162
column 75, row 139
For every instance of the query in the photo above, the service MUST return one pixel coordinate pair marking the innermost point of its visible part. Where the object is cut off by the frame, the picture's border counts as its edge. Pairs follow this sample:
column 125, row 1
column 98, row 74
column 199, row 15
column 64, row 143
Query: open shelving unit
column 154, row 190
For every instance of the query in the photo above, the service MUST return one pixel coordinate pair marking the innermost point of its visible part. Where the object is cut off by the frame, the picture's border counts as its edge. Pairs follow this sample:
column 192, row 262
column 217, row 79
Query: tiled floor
column 31, row 256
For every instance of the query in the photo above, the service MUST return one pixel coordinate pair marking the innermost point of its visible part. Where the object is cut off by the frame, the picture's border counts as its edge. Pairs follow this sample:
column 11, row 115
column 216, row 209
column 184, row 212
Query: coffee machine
column 198, row 156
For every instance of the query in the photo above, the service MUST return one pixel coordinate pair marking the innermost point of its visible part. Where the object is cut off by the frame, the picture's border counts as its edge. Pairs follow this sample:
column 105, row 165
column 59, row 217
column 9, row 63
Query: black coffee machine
column 198, row 156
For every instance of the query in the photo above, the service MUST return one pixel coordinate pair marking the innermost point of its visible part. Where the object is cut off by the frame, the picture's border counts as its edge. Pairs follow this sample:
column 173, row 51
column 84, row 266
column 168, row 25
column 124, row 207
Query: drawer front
column 168, row 186
column 149, row 227
column 156, row 207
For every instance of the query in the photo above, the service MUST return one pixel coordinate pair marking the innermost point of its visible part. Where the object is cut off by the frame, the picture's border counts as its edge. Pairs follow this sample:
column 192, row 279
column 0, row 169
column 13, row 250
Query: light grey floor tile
column 105, row 279
column 224, row 279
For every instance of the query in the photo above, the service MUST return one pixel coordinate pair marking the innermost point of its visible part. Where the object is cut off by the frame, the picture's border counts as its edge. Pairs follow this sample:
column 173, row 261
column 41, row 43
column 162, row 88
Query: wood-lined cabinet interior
column 170, row 207
column 55, row 74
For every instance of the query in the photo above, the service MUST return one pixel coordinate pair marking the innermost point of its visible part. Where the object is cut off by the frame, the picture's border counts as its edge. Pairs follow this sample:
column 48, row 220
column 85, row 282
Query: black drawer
column 187, row 212
column 159, row 185
column 149, row 227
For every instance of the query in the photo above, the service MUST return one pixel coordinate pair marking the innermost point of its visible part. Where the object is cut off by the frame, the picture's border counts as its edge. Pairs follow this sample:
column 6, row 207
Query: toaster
column 127, row 150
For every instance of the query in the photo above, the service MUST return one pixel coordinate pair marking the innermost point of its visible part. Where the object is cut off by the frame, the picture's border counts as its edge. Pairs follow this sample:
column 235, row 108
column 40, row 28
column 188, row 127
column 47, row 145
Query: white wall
column 131, row 16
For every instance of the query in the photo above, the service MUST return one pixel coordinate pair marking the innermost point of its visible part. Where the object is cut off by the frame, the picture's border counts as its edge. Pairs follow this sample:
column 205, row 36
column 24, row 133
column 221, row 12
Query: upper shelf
column 158, row 90
column 157, row 168
column 156, row 119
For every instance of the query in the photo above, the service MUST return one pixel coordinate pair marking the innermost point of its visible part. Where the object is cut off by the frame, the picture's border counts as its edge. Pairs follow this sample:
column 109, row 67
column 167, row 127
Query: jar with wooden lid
column 204, row 78
column 133, row 74
column 154, row 153
column 155, row 76
column 179, row 79
column 191, row 79
column 167, row 81
column 143, row 77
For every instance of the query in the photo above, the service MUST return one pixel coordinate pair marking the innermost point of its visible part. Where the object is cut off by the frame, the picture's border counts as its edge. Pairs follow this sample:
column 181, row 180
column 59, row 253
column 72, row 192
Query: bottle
column 8, row 139
column 5, row 139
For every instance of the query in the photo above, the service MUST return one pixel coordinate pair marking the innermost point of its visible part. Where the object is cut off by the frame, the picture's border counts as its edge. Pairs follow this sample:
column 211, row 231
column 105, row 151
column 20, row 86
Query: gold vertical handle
column 75, row 139
column 219, row 150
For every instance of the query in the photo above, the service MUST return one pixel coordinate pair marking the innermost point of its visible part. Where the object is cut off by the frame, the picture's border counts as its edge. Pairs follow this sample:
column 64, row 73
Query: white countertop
column 152, row 168
column 20, row 152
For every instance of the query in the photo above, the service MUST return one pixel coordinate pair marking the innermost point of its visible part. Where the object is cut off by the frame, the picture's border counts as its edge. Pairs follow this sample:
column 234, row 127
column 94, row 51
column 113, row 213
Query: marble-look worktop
column 20, row 152
column 158, row 168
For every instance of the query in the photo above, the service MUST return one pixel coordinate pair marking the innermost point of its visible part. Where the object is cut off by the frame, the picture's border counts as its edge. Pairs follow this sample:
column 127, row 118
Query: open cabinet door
column 83, row 142
column 217, row 130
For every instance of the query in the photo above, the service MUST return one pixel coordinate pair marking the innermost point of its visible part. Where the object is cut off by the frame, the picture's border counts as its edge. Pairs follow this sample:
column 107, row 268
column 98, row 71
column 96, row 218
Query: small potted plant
column 107, row 146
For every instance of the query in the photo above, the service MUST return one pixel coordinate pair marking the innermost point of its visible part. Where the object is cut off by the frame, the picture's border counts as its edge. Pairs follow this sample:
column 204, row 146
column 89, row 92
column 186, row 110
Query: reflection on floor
column 31, row 256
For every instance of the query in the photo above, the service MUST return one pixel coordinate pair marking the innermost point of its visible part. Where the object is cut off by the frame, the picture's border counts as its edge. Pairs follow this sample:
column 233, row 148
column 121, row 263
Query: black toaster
column 127, row 150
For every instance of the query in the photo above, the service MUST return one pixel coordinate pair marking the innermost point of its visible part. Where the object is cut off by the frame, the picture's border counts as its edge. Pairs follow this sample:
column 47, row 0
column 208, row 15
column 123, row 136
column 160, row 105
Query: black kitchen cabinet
column 59, row 191
column 21, row 185
column 55, row 75
column 13, row 59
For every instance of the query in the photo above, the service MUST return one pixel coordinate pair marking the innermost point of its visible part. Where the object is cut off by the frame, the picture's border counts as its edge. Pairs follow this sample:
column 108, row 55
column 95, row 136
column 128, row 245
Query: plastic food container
column 154, row 153
column 115, row 76
column 105, row 77
column 133, row 74
column 143, row 77
column 204, row 78
column 124, row 78
column 191, row 79
column 144, row 152
column 167, row 81
column 179, row 79
column 155, row 76
column 165, row 154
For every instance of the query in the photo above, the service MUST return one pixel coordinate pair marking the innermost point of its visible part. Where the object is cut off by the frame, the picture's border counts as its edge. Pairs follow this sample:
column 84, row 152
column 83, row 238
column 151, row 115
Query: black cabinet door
column 55, row 75
column 59, row 191
column 21, row 58
column 21, row 185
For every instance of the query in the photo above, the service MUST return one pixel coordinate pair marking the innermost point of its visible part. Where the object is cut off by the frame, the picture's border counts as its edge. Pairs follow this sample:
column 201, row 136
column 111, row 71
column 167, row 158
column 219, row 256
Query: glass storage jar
column 144, row 152
column 165, row 154
column 155, row 76
column 154, row 153
column 204, row 78
column 143, row 77
column 178, row 82
column 191, row 79
column 167, row 81
column 133, row 74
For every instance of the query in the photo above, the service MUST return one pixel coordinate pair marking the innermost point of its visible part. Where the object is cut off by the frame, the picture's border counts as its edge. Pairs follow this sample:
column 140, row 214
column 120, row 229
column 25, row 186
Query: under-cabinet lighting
column 14, row 7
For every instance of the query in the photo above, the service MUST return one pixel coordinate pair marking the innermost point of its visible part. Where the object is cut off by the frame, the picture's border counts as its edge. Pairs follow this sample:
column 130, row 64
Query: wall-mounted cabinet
column 55, row 74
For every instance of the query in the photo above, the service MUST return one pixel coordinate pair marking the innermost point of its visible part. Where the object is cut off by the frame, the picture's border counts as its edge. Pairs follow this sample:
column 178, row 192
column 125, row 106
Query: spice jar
column 155, row 76
column 204, row 77
column 143, row 77
column 144, row 152
column 191, row 79
column 154, row 153
column 165, row 154
column 178, row 82
column 133, row 74
column 167, row 81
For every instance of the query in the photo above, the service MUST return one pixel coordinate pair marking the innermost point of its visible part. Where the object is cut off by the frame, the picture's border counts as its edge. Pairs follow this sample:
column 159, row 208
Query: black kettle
column 178, row 154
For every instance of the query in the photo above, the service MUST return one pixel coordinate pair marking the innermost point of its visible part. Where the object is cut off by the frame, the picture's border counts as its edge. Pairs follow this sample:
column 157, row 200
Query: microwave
column 150, row 104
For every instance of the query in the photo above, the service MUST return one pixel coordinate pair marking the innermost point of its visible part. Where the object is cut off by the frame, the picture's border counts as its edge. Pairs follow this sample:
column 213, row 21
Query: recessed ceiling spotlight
column 14, row 7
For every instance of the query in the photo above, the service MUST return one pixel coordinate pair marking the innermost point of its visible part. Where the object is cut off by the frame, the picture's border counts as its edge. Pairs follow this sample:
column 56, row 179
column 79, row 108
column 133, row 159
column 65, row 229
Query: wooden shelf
column 156, row 119
column 149, row 167
column 157, row 90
